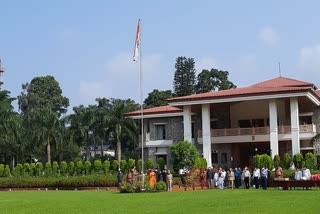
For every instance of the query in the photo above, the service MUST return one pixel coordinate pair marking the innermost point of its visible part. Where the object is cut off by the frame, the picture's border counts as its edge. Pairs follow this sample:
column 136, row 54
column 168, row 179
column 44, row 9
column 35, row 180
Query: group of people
column 234, row 178
column 154, row 177
column 303, row 174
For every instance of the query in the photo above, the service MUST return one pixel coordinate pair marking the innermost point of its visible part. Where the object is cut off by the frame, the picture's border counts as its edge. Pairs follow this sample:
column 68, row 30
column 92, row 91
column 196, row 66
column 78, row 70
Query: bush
column 47, row 169
column 160, row 186
column 33, row 170
column 318, row 161
column 1, row 170
column 6, row 172
column 123, row 166
column 161, row 163
column 150, row 163
column 55, row 168
column 26, row 172
column 297, row 160
column 126, row 187
column 183, row 154
column 131, row 163
column 276, row 161
column 97, row 166
column 106, row 166
column 87, row 167
column 139, row 165
column 256, row 161
column 71, row 168
column 287, row 161
column 17, row 171
column 39, row 168
column 309, row 161
column 79, row 167
column 63, row 168
column 115, row 165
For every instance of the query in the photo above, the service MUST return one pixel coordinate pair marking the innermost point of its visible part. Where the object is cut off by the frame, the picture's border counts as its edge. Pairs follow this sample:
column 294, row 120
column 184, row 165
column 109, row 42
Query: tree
column 184, row 154
column 184, row 76
column 42, row 104
column 213, row 80
column 157, row 98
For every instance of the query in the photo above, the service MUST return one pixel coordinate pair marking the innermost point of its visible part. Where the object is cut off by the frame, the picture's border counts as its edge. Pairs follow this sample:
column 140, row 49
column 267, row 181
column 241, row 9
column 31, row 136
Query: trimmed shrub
column 287, row 161
column 55, row 168
column 87, row 167
column 318, row 161
column 160, row 186
column 97, row 166
column 71, row 168
column 6, row 172
column 150, row 163
column 265, row 161
column 115, row 165
column 47, row 170
column 131, row 163
column 309, row 161
column 33, row 170
column 63, row 168
column 79, row 167
column 39, row 168
column 106, row 166
column 17, row 171
column 161, row 163
column 139, row 165
column 276, row 160
column 297, row 160
column 257, row 161
column 1, row 170
column 26, row 170
column 123, row 166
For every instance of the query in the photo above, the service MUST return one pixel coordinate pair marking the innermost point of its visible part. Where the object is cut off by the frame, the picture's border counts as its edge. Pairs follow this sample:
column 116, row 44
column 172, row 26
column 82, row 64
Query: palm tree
column 120, row 125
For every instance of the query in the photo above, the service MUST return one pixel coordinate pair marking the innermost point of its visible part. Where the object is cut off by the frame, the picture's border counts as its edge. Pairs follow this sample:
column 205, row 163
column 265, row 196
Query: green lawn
column 202, row 201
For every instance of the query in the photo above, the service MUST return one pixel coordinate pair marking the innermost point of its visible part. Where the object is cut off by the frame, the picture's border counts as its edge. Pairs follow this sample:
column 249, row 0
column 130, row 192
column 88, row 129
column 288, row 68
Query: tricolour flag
column 136, row 44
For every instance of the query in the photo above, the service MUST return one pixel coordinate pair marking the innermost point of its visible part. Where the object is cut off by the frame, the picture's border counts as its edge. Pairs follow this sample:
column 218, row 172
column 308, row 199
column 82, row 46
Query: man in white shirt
column 256, row 177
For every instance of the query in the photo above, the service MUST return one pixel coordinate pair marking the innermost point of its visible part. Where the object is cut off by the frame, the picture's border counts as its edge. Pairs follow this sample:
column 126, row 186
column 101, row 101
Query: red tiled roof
column 273, row 86
column 156, row 110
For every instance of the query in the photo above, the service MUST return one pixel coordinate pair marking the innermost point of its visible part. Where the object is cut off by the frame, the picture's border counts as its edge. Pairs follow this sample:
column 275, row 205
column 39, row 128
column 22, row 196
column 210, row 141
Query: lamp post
column 256, row 150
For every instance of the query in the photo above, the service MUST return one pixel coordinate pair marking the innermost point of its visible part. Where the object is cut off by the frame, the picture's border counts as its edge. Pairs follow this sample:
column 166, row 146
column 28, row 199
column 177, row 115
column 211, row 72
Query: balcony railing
column 310, row 128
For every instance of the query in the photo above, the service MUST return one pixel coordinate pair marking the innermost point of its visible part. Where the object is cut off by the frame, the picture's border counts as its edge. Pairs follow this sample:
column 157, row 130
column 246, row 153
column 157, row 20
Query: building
column 229, row 127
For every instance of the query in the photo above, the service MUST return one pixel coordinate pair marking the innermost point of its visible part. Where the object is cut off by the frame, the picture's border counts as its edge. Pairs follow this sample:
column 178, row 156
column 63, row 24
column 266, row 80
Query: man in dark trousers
column 119, row 177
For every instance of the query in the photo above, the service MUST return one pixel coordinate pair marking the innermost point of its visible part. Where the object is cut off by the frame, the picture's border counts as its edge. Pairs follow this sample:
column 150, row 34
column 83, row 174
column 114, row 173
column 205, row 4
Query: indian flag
column 137, row 43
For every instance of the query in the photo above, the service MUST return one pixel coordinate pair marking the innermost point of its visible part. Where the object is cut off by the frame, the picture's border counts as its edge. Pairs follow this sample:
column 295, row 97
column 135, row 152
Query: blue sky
column 88, row 45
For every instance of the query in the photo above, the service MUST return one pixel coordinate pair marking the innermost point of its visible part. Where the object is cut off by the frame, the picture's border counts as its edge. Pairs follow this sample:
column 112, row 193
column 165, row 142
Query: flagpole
column 141, row 98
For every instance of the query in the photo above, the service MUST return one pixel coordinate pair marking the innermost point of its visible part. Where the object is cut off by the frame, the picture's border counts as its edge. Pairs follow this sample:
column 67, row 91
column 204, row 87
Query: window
column 214, row 157
column 160, row 132
column 223, row 157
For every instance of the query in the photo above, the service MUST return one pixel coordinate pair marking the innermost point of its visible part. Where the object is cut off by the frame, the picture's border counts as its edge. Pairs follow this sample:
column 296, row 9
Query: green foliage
column 6, row 172
column 213, row 80
column 297, row 160
column 184, row 76
column 1, row 170
column 160, row 186
column 287, row 161
column 200, row 163
column 161, row 163
column 257, row 161
column 266, row 161
column 26, row 172
column 48, row 169
column 318, row 161
column 150, row 163
column 17, row 171
column 184, row 154
column 123, row 166
column 309, row 161
column 139, row 165
column 97, row 166
column 87, row 167
column 71, row 168
column 131, row 163
column 55, row 168
column 39, row 167
column 106, row 166
column 276, row 160
column 79, row 167
column 115, row 165
column 63, row 168
column 126, row 187
column 33, row 169
column 157, row 98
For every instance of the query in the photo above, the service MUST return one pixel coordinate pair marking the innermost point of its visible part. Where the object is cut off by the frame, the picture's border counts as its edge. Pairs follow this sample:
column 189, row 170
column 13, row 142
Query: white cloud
column 206, row 63
column 309, row 59
column 269, row 36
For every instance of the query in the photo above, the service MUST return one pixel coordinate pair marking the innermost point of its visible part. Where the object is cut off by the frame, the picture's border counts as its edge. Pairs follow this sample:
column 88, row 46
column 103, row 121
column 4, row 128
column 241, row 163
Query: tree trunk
column 49, row 151
column 119, row 151
column 101, row 149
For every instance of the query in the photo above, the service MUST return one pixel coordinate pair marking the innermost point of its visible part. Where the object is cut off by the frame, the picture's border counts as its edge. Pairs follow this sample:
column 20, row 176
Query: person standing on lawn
column 256, row 177
column 264, row 178
column 169, row 181
column 247, row 175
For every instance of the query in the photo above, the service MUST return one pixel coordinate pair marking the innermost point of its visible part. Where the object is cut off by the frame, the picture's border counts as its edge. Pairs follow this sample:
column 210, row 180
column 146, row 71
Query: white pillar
column 273, row 116
column 187, row 124
column 206, row 134
column 295, row 135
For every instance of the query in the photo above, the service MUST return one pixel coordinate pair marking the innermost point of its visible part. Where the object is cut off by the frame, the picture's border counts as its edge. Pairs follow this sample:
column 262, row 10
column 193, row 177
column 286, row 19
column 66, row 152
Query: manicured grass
column 202, row 201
